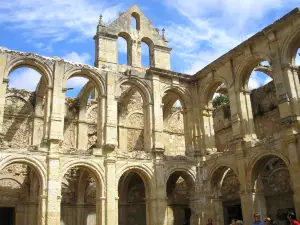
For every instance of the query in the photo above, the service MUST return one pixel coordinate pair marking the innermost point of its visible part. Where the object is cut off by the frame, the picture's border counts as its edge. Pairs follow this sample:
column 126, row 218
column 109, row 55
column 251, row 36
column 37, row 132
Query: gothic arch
column 183, row 94
column 256, row 159
column 32, row 162
column 91, row 167
column 143, row 171
column 209, row 89
column 89, row 74
column 142, row 87
column 187, row 171
column 33, row 63
column 245, row 68
column 216, row 167
column 290, row 46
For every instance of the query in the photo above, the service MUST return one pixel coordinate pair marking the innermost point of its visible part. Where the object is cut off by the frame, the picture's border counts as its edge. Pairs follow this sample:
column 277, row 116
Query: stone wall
column 265, row 111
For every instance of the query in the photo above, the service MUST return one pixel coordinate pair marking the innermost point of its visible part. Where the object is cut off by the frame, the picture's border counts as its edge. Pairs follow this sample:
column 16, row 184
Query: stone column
column 100, row 120
column 32, row 212
column 208, row 131
column 157, row 114
column 136, row 56
column 259, row 204
column 218, row 212
column 246, row 201
column 293, row 146
column 160, row 203
column 80, row 213
column 245, row 114
column 111, row 209
column 3, row 87
column 100, row 211
column 42, row 210
column 53, row 190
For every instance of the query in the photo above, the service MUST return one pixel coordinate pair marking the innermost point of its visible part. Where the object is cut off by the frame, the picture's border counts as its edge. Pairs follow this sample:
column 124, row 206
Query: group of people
column 257, row 221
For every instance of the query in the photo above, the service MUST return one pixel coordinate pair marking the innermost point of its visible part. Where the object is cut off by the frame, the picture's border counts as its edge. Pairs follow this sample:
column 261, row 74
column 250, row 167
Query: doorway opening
column 232, row 210
column 7, row 215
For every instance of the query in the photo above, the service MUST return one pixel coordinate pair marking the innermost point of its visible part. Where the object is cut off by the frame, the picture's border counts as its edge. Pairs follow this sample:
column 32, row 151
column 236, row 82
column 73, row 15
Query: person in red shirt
column 292, row 218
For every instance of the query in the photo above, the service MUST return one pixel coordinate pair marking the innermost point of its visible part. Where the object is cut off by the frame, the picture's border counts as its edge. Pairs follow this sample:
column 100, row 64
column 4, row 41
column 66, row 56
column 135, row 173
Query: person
column 233, row 221
column 267, row 221
column 239, row 222
column 292, row 219
column 257, row 220
column 209, row 221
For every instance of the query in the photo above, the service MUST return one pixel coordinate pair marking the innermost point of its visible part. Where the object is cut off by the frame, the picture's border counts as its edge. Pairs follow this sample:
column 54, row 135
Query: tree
column 220, row 100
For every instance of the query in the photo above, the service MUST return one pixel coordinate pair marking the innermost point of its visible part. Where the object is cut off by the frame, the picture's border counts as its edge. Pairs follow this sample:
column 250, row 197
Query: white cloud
column 55, row 19
column 24, row 78
column 83, row 58
column 214, row 27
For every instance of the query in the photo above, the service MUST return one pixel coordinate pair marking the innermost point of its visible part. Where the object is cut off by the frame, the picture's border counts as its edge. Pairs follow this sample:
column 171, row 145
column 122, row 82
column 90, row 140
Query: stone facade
column 144, row 145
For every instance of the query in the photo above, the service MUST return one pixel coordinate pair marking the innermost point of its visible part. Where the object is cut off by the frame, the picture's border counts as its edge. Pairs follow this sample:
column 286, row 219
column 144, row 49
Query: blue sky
column 199, row 31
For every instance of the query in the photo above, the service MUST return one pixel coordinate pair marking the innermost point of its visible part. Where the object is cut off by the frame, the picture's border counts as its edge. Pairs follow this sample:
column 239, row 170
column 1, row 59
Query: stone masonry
column 145, row 145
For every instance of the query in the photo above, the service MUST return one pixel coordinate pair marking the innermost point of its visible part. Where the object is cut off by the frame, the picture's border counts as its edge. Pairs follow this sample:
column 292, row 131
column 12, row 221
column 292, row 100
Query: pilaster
column 53, row 191
column 111, row 214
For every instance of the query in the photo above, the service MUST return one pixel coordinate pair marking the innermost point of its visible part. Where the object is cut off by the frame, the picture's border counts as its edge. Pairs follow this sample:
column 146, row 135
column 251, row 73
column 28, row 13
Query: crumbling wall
column 18, row 118
column 174, row 133
column 265, row 112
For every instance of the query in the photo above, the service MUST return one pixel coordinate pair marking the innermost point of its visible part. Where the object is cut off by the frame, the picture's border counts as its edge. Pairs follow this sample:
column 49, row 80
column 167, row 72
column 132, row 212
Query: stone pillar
column 100, row 120
column 110, row 125
column 111, row 209
column 218, row 212
column 293, row 146
column 136, row 57
column 245, row 113
column 100, row 210
column 3, row 87
column 148, row 127
column 57, row 104
column 160, row 205
column 53, row 190
column 208, row 131
column 157, row 114
column 80, row 213
column 188, row 127
column 32, row 212
column 246, row 201
column 259, row 204
column 42, row 210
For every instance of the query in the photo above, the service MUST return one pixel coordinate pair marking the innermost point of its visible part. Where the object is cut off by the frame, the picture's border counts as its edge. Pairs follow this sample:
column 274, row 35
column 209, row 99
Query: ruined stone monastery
column 145, row 146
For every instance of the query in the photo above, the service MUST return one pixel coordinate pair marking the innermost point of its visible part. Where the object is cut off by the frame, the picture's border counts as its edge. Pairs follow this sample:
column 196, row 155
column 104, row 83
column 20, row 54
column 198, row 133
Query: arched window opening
column 218, row 119
column 122, row 51
column 79, row 191
column 179, row 192
column 81, row 126
column 264, row 101
column 225, row 187
column 132, row 195
column 174, row 124
column 135, row 21
column 131, row 120
column 145, row 55
column 26, row 96
column 271, row 179
column 20, row 191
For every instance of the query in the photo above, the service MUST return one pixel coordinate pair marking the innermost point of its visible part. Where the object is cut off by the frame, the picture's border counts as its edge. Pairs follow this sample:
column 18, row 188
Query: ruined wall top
column 144, row 29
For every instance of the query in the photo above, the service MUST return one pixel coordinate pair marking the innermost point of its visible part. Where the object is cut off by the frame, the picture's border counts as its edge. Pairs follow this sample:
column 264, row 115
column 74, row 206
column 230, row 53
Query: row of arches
column 22, row 185
column 270, row 191
column 135, row 53
column 25, row 115
column 23, row 182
